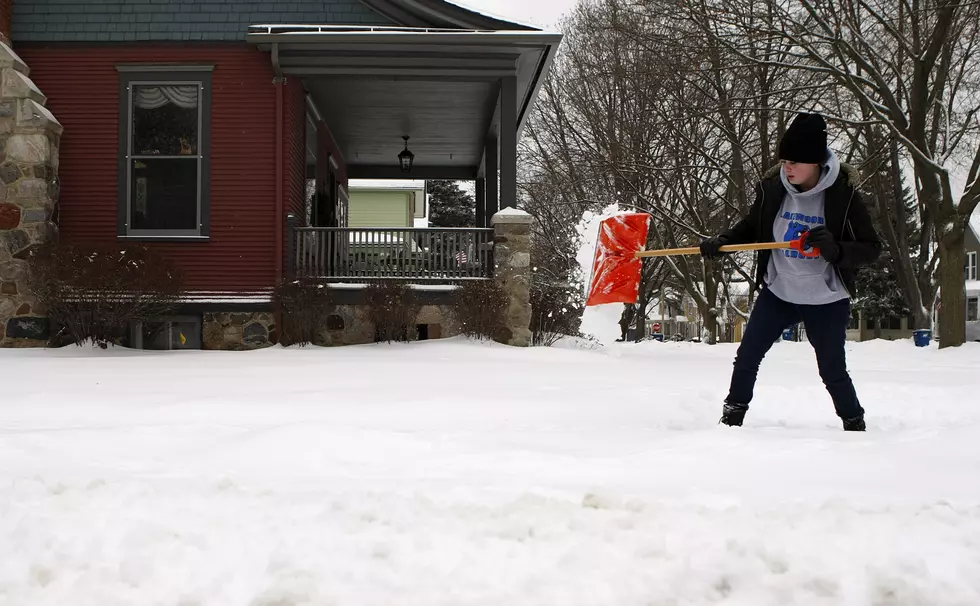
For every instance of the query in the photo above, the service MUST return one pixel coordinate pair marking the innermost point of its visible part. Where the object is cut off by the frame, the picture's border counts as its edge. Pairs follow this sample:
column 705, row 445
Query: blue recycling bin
column 922, row 337
column 658, row 336
column 789, row 334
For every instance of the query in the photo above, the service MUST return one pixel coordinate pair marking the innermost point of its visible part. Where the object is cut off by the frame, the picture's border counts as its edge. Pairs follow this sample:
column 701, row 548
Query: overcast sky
column 542, row 13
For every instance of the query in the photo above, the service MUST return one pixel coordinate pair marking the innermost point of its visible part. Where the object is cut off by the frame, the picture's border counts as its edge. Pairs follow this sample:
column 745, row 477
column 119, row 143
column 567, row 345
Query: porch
column 405, row 103
column 418, row 255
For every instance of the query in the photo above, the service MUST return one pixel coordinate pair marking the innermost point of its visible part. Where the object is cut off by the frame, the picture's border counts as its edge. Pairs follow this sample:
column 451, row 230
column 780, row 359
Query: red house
column 223, row 134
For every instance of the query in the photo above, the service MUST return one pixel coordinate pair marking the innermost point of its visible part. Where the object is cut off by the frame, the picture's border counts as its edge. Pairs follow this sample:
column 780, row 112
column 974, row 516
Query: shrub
column 304, row 307
column 94, row 293
column 479, row 307
column 556, row 312
column 393, row 308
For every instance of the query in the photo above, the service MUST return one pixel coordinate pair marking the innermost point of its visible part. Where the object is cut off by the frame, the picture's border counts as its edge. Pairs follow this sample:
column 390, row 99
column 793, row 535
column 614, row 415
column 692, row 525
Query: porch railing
column 430, row 255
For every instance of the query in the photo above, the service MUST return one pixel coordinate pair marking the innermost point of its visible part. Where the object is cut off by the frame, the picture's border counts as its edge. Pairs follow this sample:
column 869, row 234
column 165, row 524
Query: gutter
column 299, row 34
column 537, row 83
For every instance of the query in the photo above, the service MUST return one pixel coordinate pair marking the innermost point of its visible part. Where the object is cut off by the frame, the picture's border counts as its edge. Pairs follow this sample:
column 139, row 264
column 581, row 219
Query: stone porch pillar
column 29, row 138
column 512, row 270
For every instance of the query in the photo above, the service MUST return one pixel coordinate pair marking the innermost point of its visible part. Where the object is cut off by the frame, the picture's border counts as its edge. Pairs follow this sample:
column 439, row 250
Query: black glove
column 820, row 237
column 711, row 248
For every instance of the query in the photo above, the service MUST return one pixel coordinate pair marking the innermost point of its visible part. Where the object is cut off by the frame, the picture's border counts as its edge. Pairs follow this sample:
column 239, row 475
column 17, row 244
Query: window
column 164, row 151
column 167, row 333
column 971, row 309
column 894, row 323
column 971, row 265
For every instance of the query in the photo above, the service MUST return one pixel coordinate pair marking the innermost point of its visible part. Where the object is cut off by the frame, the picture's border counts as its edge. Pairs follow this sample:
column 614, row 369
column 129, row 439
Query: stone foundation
column 512, row 270
column 440, row 319
column 238, row 331
column 349, row 325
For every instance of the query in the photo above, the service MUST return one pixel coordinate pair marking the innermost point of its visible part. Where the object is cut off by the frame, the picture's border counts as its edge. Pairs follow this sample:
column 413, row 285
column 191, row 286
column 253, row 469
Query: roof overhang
column 441, row 87
column 401, row 53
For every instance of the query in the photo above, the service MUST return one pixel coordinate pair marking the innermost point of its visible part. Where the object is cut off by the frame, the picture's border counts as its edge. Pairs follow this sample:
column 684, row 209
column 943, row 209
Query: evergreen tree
column 881, row 296
column 450, row 206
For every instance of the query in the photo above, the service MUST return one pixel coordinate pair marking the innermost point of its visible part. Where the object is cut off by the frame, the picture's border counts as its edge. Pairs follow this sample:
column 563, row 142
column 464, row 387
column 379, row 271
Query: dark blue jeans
column 826, row 329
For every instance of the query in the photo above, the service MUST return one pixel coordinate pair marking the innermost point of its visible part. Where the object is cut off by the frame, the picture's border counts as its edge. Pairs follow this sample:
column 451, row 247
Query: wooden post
column 508, row 142
column 492, row 201
column 292, row 221
column 481, row 203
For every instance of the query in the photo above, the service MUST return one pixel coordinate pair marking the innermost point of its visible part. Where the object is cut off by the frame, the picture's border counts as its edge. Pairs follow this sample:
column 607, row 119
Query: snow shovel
column 619, row 257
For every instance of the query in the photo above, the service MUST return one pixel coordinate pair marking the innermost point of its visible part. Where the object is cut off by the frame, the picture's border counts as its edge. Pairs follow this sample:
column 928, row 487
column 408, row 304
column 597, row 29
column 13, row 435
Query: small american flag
column 461, row 257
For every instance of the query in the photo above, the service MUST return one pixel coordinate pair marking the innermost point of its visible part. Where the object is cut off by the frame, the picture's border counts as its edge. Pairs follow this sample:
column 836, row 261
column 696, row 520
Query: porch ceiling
column 446, row 120
column 439, row 87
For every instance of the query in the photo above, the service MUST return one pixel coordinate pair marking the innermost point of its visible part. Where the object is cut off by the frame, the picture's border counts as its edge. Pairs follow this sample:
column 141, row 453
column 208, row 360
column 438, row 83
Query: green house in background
column 388, row 203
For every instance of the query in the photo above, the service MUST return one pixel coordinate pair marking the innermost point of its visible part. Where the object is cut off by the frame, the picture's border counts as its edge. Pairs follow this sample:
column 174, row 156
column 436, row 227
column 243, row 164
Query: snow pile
column 394, row 474
column 599, row 321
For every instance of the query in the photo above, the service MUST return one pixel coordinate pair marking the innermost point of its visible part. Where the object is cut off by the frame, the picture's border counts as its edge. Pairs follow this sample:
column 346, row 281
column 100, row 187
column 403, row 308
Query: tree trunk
column 877, row 333
column 952, row 287
column 911, row 282
column 640, row 320
column 709, row 310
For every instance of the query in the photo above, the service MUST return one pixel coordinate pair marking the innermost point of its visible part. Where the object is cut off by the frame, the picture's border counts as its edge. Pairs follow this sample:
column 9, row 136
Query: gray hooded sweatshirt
column 793, row 277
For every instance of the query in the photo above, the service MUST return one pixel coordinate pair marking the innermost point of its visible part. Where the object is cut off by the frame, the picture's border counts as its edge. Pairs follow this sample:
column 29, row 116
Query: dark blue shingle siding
column 207, row 20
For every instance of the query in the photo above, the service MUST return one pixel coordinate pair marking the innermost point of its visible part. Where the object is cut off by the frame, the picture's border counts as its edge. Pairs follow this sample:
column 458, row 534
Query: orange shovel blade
column 616, row 270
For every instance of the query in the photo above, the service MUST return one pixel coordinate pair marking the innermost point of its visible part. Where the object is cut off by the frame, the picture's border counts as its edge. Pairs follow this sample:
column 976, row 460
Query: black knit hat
column 805, row 140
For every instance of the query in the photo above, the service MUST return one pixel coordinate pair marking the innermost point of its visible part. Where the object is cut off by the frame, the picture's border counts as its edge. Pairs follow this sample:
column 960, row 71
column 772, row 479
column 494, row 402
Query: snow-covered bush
column 303, row 307
column 478, row 308
column 94, row 294
column 393, row 308
column 556, row 312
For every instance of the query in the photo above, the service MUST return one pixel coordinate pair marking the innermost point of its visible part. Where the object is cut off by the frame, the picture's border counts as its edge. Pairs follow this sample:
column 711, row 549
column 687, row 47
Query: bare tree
column 649, row 108
column 912, row 67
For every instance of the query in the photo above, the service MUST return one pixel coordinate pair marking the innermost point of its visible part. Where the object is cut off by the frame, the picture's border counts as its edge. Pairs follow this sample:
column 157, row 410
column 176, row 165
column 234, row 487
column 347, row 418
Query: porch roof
column 440, row 13
column 440, row 87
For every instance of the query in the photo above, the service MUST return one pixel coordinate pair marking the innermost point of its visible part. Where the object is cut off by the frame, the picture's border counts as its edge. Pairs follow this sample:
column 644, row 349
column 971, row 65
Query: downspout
column 278, row 81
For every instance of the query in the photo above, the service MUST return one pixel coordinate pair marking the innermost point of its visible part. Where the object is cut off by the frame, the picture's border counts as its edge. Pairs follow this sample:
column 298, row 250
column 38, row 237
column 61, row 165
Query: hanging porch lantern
column 406, row 158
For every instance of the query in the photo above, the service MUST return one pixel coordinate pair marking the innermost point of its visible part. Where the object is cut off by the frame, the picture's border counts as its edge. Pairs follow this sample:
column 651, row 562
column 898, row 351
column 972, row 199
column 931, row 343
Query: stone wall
column 29, row 139
column 347, row 325
column 239, row 331
column 512, row 270
column 440, row 316
column 350, row 325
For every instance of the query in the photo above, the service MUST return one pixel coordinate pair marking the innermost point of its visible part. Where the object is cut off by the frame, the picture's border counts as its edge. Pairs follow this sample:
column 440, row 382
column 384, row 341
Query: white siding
column 379, row 209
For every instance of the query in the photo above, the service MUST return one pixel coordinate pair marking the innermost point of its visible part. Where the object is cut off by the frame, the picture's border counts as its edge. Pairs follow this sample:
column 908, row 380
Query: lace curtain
column 152, row 97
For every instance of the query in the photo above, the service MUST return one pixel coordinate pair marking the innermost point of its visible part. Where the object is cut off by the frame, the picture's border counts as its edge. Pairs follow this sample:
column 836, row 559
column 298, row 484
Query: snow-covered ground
column 451, row 473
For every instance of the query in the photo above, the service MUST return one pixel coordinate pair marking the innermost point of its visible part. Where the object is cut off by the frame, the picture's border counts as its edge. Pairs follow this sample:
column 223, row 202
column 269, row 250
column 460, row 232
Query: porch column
column 481, row 202
column 508, row 142
column 512, row 271
column 492, row 204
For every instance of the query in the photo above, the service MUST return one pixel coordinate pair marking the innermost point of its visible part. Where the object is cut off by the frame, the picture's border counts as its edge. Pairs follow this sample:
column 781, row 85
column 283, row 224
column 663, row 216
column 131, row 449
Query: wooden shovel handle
column 694, row 250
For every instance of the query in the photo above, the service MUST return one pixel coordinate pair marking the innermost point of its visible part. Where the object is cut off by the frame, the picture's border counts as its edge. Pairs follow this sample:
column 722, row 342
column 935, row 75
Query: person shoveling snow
column 812, row 230
column 812, row 195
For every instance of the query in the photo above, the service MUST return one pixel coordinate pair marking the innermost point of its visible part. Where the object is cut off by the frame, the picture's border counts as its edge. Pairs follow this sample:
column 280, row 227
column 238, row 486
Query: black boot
column 855, row 424
column 733, row 414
